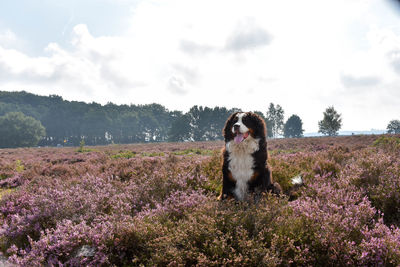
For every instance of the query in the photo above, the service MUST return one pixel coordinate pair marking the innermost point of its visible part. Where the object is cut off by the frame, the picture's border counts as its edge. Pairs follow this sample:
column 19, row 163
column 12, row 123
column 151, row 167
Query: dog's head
column 241, row 125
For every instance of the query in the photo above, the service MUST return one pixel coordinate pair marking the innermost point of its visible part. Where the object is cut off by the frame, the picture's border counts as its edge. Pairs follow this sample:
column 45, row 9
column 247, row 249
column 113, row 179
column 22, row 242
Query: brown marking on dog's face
column 251, row 131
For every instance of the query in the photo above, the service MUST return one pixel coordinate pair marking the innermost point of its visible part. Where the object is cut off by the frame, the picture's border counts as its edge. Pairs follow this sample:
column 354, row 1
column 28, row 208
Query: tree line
column 27, row 120
column 61, row 122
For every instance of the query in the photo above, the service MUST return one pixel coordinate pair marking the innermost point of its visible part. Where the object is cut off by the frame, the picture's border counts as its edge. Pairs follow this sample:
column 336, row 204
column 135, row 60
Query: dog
column 244, row 166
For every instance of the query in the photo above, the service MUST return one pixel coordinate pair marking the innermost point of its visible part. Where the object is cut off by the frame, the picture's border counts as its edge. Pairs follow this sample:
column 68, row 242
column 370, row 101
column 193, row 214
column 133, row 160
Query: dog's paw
column 276, row 188
column 225, row 197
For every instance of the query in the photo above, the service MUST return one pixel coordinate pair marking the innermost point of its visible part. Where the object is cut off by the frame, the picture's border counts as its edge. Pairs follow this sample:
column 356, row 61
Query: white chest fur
column 241, row 163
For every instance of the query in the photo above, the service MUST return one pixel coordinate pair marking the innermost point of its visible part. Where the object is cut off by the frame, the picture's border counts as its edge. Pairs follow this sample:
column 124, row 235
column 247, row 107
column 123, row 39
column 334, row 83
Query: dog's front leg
column 228, row 185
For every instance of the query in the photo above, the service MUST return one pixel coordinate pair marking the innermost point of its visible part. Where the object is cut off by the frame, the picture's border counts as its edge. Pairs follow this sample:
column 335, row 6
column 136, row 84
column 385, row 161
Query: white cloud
column 248, row 35
column 352, row 81
column 7, row 37
column 193, row 48
column 180, row 53
column 177, row 85
column 190, row 73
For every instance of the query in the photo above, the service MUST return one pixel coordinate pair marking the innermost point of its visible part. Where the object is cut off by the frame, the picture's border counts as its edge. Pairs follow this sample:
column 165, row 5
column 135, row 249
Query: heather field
column 156, row 204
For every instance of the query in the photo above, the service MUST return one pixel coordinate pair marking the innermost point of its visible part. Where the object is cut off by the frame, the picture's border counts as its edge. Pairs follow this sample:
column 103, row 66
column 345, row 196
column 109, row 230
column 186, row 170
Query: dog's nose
column 236, row 127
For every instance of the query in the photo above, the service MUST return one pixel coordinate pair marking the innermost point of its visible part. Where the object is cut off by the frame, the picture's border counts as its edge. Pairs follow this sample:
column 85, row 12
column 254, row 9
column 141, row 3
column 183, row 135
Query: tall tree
column 331, row 123
column 18, row 130
column 394, row 127
column 293, row 127
column 275, row 116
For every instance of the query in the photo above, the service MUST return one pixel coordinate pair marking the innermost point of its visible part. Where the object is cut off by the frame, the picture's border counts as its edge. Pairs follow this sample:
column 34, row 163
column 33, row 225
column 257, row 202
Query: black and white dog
column 245, row 168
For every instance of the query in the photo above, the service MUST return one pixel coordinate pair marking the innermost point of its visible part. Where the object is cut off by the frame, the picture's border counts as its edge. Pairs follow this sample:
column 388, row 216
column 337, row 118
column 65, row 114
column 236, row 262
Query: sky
column 303, row 55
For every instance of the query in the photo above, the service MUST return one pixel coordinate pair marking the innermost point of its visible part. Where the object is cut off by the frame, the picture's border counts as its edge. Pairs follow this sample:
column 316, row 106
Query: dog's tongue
column 239, row 138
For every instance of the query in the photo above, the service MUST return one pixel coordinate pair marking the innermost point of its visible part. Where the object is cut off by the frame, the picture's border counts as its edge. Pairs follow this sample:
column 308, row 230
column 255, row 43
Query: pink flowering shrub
column 377, row 174
column 158, row 206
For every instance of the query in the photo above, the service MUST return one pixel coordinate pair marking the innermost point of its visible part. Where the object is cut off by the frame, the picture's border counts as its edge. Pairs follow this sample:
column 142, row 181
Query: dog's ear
column 256, row 123
column 227, row 131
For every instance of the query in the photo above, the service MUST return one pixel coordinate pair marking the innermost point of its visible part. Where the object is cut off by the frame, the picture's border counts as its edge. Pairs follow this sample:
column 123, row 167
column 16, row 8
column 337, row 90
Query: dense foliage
column 18, row 130
column 155, row 204
column 293, row 127
column 68, row 122
column 331, row 123
column 394, row 127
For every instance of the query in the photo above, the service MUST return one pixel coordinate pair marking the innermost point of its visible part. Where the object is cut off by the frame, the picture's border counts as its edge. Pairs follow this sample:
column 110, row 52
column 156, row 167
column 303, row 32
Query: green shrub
column 82, row 148
column 388, row 143
column 152, row 154
column 212, row 169
column 194, row 151
column 124, row 154
column 19, row 167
